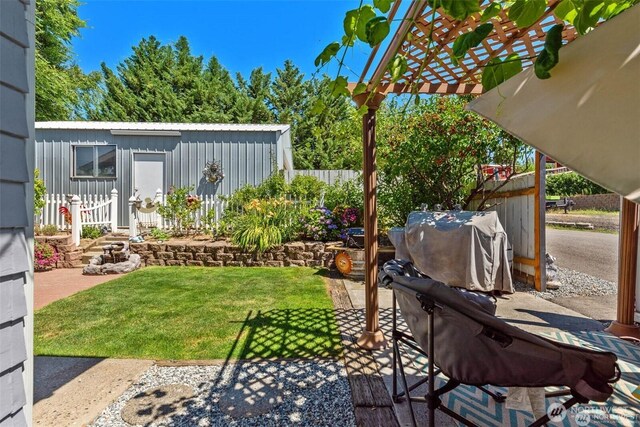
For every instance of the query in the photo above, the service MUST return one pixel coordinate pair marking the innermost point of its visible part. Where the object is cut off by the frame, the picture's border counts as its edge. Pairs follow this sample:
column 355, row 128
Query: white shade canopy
column 587, row 115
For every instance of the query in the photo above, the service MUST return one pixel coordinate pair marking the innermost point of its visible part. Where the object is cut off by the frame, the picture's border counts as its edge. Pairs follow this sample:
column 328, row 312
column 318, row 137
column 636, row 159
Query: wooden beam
column 627, row 271
column 508, row 194
column 372, row 337
column 427, row 88
column 523, row 260
column 398, row 38
column 540, row 277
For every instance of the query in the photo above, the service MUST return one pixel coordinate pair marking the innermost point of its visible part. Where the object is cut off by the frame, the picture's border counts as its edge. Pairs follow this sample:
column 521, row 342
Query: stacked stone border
column 70, row 255
column 224, row 254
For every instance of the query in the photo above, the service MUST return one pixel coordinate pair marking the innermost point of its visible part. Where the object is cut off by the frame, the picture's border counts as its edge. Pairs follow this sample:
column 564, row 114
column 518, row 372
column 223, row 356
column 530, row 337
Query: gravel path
column 309, row 393
column 574, row 283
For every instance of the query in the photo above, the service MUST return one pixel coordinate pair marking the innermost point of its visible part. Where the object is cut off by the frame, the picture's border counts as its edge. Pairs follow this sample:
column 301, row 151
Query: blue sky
column 242, row 34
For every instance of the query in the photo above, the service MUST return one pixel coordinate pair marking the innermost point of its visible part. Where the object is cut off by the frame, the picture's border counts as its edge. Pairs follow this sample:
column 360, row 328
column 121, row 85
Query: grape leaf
column 491, row 11
column 366, row 14
column 360, row 88
column 397, row 67
column 526, row 12
column 377, row 29
column 382, row 5
column 338, row 86
column 498, row 71
column 549, row 56
column 460, row 9
column 329, row 52
column 469, row 40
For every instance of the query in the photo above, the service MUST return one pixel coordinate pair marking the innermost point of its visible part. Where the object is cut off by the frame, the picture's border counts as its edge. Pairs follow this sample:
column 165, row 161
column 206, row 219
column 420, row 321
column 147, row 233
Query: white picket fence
column 100, row 210
column 154, row 219
column 88, row 210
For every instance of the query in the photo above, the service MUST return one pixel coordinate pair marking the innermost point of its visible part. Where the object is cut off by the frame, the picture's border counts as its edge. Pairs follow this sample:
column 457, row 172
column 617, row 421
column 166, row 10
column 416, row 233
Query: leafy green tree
column 59, row 82
column 433, row 154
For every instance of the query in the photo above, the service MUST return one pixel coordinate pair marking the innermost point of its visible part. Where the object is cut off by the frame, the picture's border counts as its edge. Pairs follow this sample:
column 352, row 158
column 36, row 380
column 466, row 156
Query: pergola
column 425, row 37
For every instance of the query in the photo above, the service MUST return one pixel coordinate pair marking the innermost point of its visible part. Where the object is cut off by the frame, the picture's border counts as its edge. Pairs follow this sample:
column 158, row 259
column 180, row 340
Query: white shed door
column 148, row 174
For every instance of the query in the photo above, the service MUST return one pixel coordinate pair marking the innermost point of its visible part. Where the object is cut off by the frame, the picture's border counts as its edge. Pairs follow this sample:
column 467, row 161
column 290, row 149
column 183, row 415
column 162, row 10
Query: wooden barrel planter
column 349, row 261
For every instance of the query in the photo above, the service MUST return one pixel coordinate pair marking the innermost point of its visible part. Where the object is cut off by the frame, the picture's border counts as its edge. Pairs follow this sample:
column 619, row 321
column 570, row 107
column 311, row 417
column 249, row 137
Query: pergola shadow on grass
column 186, row 313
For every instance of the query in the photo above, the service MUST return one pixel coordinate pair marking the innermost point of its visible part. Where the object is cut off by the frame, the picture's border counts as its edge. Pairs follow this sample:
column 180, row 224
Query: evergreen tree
column 256, row 95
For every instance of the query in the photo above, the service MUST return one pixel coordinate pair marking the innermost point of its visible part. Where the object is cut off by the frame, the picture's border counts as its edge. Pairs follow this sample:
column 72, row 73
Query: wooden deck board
column 372, row 403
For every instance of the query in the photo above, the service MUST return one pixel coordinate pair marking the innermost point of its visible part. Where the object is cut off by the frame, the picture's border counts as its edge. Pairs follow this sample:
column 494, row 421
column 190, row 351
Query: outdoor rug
column 622, row 409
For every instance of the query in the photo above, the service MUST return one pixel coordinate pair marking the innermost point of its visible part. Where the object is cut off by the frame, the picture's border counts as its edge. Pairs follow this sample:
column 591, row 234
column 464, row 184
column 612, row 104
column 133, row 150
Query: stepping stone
column 158, row 404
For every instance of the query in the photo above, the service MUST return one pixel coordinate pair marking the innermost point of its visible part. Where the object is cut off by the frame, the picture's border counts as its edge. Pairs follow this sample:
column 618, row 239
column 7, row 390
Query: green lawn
column 194, row 313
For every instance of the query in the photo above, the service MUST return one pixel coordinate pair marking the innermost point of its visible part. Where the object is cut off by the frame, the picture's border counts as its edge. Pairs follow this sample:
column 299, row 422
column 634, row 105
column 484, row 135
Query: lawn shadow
column 52, row 372
column 285, row 358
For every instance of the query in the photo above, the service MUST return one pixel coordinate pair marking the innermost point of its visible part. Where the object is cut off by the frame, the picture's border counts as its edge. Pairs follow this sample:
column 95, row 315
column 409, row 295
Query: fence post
column 158, row 201
column 133, row 225
column 76, row 220
column 114, row 210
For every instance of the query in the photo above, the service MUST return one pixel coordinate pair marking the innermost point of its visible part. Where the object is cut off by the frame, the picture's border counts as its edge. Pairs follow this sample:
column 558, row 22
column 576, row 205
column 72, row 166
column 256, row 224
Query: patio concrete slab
column 601, row 307
column 53, row 285
column 72, row 391
column 521, row 309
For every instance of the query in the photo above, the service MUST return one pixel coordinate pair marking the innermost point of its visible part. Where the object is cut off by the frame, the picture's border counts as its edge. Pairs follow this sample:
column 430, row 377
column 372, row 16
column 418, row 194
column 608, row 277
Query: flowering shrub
column 320, row 224
column 45, row 256
column 180, row 208
column 265, row 223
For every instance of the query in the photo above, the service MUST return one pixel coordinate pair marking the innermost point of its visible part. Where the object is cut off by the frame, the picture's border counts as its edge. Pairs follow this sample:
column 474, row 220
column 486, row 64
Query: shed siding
column 16, row 211
column 247, row 157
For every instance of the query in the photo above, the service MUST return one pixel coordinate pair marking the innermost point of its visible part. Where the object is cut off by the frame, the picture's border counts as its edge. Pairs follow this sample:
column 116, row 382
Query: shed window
column 95, row 161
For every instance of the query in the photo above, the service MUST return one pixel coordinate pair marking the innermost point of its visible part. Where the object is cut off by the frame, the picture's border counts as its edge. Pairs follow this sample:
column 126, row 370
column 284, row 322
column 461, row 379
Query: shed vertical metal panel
column 247, row 157
column 16, row 210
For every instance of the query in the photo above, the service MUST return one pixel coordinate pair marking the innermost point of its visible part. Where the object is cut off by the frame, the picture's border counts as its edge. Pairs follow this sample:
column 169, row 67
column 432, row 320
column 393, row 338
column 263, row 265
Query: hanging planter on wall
column 213, row 172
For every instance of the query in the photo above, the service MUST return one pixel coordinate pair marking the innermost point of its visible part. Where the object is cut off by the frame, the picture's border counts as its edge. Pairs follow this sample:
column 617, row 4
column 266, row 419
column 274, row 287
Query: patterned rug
column 622, row 409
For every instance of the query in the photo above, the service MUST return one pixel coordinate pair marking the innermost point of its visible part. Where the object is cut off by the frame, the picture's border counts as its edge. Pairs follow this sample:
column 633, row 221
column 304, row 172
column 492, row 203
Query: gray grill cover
column 463, row 249
column 476, row 348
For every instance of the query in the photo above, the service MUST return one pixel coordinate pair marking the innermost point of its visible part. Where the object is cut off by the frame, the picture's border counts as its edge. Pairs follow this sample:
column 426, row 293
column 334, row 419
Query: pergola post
column 539, row 243
column 372, row 337
column 627, row 271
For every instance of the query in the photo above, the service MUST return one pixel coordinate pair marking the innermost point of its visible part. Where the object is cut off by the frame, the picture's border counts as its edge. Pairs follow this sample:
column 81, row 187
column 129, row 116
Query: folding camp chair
column 462, row 339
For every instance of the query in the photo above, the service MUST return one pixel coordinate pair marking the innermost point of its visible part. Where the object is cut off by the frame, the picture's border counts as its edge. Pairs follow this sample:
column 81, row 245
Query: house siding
column 247, row 157
column 16, row 211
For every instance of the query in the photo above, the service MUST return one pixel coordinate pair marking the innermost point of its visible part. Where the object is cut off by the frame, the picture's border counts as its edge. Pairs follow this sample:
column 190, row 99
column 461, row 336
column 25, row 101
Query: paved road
column 585, row 251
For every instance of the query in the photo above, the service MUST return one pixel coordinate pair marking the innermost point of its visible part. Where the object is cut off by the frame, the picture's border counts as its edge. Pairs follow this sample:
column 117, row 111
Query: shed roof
column 162, row 126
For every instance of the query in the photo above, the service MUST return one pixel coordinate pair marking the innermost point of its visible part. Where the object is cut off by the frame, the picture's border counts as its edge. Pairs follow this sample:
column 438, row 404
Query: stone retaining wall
column 223, row 253
column 603, row 202
column 70, row 255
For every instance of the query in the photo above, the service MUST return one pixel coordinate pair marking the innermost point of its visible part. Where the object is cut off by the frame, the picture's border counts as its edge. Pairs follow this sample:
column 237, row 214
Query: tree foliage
column 368, row 25
column 571, row 184
column 60, row 84
column 433, row 154
column 167, row 83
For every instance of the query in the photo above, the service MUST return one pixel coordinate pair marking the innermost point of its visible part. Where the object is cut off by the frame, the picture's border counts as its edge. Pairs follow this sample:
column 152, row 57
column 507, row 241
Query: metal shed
column 92, row 158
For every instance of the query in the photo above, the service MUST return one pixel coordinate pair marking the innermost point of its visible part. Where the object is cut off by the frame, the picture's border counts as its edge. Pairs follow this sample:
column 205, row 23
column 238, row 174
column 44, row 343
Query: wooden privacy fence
column 515, row 205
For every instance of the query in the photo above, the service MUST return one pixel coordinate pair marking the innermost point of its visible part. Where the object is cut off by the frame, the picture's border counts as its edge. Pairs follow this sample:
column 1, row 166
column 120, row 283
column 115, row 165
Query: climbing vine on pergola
column 461, row 46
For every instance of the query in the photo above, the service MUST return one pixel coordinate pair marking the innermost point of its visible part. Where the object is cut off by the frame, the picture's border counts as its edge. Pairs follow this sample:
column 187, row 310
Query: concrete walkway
column 53, row 285
column 72, row 391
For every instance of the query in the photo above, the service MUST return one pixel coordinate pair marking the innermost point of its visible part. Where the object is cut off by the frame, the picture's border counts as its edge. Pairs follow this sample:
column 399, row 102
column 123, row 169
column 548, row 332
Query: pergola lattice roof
column 437, row 73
